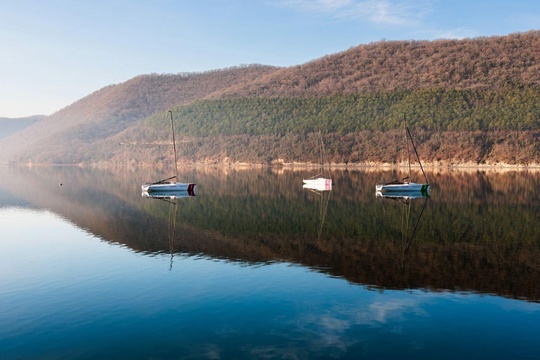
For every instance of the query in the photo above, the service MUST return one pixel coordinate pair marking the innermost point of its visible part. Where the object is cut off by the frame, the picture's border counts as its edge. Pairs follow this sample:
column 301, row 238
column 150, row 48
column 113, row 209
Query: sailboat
column 172, row 195
column 321, row 181
column 404, row 184
column 167, row 185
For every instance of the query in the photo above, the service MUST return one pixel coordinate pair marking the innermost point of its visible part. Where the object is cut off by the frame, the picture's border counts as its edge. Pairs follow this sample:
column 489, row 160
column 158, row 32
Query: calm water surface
column 254, row 266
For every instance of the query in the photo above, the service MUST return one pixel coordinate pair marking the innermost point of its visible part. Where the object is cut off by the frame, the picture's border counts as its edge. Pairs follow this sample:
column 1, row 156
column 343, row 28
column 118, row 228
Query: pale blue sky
column 54, row 52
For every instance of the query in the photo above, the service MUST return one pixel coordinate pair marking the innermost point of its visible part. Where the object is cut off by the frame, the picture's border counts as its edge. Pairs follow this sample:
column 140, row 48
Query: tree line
column 425, row 109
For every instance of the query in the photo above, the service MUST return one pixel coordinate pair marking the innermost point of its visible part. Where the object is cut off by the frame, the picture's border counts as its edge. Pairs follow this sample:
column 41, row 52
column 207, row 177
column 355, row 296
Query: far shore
column 367, row 166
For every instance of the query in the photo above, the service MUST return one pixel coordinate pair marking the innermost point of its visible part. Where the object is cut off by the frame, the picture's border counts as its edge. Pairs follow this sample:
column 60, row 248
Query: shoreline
column 280, row 164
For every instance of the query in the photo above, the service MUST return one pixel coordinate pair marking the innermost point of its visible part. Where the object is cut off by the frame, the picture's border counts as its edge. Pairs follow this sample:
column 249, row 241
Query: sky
column 55, row 52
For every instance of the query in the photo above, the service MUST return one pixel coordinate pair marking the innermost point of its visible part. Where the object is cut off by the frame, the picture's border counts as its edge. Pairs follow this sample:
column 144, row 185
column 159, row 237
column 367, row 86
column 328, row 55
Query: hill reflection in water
column 478, row 232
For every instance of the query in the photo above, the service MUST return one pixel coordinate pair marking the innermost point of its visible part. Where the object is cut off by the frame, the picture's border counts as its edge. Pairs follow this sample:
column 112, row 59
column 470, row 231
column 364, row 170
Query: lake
column 255, row 266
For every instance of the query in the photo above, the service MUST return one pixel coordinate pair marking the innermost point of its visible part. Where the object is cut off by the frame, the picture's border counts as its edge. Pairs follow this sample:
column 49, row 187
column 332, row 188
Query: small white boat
column 319, row 184
column 169, row 194
column 167, row 185
column 404, row 185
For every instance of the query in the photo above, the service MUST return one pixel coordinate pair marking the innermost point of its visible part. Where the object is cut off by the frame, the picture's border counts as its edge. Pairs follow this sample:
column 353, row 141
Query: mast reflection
column 324, row 198
column 406, row 199
column 172, row 198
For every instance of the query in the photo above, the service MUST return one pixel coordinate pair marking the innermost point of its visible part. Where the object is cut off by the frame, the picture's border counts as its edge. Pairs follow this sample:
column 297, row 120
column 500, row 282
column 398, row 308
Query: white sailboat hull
column 320, row 184
column 402, row 187
column 168, row 187
column 168, row 194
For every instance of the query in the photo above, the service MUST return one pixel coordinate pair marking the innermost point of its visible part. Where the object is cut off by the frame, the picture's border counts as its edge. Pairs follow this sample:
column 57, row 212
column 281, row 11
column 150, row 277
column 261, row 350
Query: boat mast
column 405, row 130
column 321, row 160
column 325, row 172
column 417, row 157
column 174, row 146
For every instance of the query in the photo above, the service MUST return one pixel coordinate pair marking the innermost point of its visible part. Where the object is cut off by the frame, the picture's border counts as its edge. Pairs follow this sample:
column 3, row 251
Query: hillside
column 60, row 137
column 449, row 89
column 485, row 63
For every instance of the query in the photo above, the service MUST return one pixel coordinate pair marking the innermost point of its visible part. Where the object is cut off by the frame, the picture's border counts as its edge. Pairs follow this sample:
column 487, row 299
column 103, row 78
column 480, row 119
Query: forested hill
column 480, row 63
column 60, row 137
column 481, row 93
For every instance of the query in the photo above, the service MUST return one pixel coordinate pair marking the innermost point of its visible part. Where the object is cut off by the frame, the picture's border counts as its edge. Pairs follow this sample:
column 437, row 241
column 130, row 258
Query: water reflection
column 172, row 198
column 482, row 235
column 323, row 194
column 409, row 220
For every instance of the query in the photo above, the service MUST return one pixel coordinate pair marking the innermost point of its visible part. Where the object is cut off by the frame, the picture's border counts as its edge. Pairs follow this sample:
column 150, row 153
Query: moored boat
column 166, row 185
column 173, row 194
column 398, row 187
column 320, row 184
column 403, row 185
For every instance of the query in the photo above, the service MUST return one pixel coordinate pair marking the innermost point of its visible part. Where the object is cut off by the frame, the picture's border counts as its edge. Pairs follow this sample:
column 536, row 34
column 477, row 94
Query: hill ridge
column 88, row 130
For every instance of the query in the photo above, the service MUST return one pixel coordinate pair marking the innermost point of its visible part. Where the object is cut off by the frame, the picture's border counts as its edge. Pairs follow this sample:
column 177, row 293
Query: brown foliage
column 489, row 63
